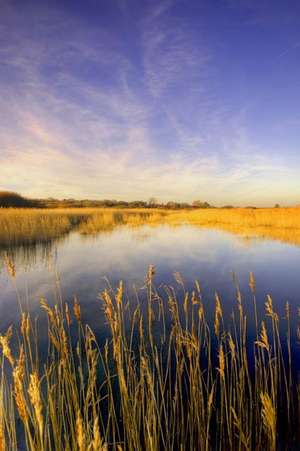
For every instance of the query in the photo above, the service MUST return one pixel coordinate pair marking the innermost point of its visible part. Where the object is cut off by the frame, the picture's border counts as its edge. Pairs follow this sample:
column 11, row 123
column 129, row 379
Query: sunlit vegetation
column 21, row 226
column 25, row 226
column 166, row 377
column 275, row 223
column 101, row 220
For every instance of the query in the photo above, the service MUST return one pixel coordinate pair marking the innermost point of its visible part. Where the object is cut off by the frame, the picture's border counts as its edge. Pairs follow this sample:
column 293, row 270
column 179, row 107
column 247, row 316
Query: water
column 85, row 264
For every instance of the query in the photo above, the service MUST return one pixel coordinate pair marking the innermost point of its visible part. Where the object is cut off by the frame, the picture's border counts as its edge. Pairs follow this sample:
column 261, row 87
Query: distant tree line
column 152, row 203
column 10, row 199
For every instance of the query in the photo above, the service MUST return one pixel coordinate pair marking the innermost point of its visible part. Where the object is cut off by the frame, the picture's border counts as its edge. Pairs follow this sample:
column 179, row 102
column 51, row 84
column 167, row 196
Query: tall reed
column 166, row 377
column 23, row 226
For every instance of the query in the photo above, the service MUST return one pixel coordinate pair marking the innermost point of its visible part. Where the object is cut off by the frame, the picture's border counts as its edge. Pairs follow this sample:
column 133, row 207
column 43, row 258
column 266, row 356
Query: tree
column 152, row 202
column 10, row 199
column 171, row 205
column 200, row 204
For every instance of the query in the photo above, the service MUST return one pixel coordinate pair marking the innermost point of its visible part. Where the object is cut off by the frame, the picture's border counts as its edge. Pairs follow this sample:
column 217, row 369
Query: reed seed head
column 4, row 342
column 36, row 401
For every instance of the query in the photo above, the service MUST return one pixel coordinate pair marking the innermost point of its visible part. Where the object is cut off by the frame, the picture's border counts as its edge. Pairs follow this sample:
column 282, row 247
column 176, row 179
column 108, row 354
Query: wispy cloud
column 83, row 114
column 170, row 53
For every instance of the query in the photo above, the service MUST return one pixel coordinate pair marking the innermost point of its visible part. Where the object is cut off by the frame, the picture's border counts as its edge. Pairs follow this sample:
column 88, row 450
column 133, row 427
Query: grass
column 26, row 226
column 29, row 226
column 166, row 377
column 108, row 219
column 281, row 224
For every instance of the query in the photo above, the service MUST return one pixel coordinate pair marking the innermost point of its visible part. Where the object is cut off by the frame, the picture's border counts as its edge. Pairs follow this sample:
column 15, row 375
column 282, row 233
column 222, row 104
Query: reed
column 166, row 377
column 281, row 224
column 31, row 226
column 23, row 226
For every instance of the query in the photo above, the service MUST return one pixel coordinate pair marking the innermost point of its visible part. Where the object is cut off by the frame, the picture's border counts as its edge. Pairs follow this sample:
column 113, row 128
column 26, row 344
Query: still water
column 85, row 265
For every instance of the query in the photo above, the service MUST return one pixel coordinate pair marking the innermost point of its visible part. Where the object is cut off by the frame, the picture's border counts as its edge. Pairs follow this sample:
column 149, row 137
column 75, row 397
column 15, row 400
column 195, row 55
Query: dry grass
column 244, row 217
column 275, row 223
column 107, row 219
column 28, row 226
column 21, row 226
column 191, row 385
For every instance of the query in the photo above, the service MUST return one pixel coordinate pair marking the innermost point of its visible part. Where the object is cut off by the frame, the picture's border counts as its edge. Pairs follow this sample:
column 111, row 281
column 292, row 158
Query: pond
column 85, row 265
column 170, row 356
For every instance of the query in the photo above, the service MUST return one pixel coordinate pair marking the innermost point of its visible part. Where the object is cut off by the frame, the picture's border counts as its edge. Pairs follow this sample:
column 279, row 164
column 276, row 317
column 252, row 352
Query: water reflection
column 27, row 256
column 210, row 256
column 85, row 265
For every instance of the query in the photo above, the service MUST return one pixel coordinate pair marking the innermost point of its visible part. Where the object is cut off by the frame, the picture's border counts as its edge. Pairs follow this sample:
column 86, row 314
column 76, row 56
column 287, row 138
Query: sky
column 132, row 99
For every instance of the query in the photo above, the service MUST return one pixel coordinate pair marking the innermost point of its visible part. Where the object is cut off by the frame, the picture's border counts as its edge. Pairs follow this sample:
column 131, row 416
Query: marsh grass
column 30, row 226
column 103, row 220
column 26, row 226
column 281, row 224
column 166, row 377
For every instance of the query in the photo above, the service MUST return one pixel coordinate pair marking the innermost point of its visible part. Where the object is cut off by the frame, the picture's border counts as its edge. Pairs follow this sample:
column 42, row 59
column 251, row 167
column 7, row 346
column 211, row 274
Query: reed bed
column 167, row 377
column 103, row 220
column 282, row 224
column 288, row 218
column 28, row 226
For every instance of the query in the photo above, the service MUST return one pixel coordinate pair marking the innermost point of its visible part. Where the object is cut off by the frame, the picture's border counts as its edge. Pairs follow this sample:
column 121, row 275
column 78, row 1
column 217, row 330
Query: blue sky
column 128, row 99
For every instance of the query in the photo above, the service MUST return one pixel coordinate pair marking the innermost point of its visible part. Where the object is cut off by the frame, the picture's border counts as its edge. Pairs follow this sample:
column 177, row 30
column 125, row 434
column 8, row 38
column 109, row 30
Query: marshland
column 149, row 225
column 149, row 329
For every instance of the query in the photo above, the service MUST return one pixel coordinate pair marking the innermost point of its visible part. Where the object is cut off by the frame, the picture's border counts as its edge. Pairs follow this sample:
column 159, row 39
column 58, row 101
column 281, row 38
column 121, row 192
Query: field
column 172, row 373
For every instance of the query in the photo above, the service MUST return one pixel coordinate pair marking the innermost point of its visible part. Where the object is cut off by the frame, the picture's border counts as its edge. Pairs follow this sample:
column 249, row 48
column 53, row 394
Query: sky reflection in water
column 210, row 256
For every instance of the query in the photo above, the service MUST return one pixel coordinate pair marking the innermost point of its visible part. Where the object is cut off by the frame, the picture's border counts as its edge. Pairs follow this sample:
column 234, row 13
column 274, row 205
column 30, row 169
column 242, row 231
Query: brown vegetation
column 21, row 226
column 189, row 385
